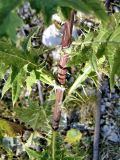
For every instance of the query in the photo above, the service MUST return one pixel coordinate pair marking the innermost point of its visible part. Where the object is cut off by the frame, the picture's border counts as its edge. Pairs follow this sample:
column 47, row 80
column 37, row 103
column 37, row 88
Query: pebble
column 108, row 104
column 106, row 130
column 114, row 137
column 103, row 109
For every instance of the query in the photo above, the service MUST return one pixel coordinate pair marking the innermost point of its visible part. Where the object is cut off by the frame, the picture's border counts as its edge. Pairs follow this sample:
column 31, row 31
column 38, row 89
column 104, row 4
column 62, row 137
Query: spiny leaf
column 34, row 116
column 115, row 68
column 101, row 39
column 13, row 72
column 16, row 86
column 93, row 61
column 10, row 55
column 115, row 37
column 77, row 5
column 32, row 154
column 27, row 45
column 10, row 25
column 7, row 85
column 97, row 7
column 3, row 68
column 45, row 77
column 5, row 8
column 31, row 80
column 50, row 6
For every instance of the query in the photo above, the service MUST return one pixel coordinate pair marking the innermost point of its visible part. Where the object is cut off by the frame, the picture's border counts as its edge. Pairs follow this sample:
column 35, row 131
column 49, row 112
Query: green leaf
column 10, row 25
column 7, row 85
column 27, row 45
column 115, row 68
column 73, row 136
column 31, row 80
column 10, row 55
column 3, row 68
column 110, row 52
column 34, row 116
column 77, row 5
column 50, row 6
column 5, row 8
column 101, row 39
column 103, row 35
column 93, row 60
column 115, row 37
column 65, row 12
column 81, row 78
column 16, row 86
column 46, row 77
column 13, row 72
column 101, row 50
column 32, row 154
column 97, row 7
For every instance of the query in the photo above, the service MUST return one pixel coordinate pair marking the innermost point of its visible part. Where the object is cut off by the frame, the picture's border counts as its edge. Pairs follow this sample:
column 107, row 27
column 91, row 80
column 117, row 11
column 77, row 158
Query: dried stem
column 97, row 121
column 40, row 92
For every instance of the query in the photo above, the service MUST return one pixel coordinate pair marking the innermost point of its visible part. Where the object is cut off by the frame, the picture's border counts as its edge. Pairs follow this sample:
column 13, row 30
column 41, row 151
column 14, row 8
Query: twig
column 97, row 121
column 40, row 92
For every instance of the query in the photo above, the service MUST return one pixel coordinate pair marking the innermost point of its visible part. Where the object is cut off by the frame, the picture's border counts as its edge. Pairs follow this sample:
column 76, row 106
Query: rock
column 105, row 99
column 114, row 137
column 102, row 109
column 108, row 104
column 19, row 150
column 102, row 121
column 117, row 111
column 8, row 141
column 106, row 130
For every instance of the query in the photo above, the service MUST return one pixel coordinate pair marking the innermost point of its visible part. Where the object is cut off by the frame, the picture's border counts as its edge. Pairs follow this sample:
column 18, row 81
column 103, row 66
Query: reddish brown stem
column 66, row 41
column 57, row 109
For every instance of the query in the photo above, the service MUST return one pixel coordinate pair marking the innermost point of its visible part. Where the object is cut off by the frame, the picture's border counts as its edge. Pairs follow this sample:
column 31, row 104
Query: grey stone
column 102, row 108
column 106, row 130
column 108, row 104
column 19, row 150
column 114, row 137
column 102, row 121
column 105, row 99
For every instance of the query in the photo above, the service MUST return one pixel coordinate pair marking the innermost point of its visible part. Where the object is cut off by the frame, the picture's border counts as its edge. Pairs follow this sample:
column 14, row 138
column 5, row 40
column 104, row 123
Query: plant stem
column 40, row 92
column 53, row 144
column 97, row 121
